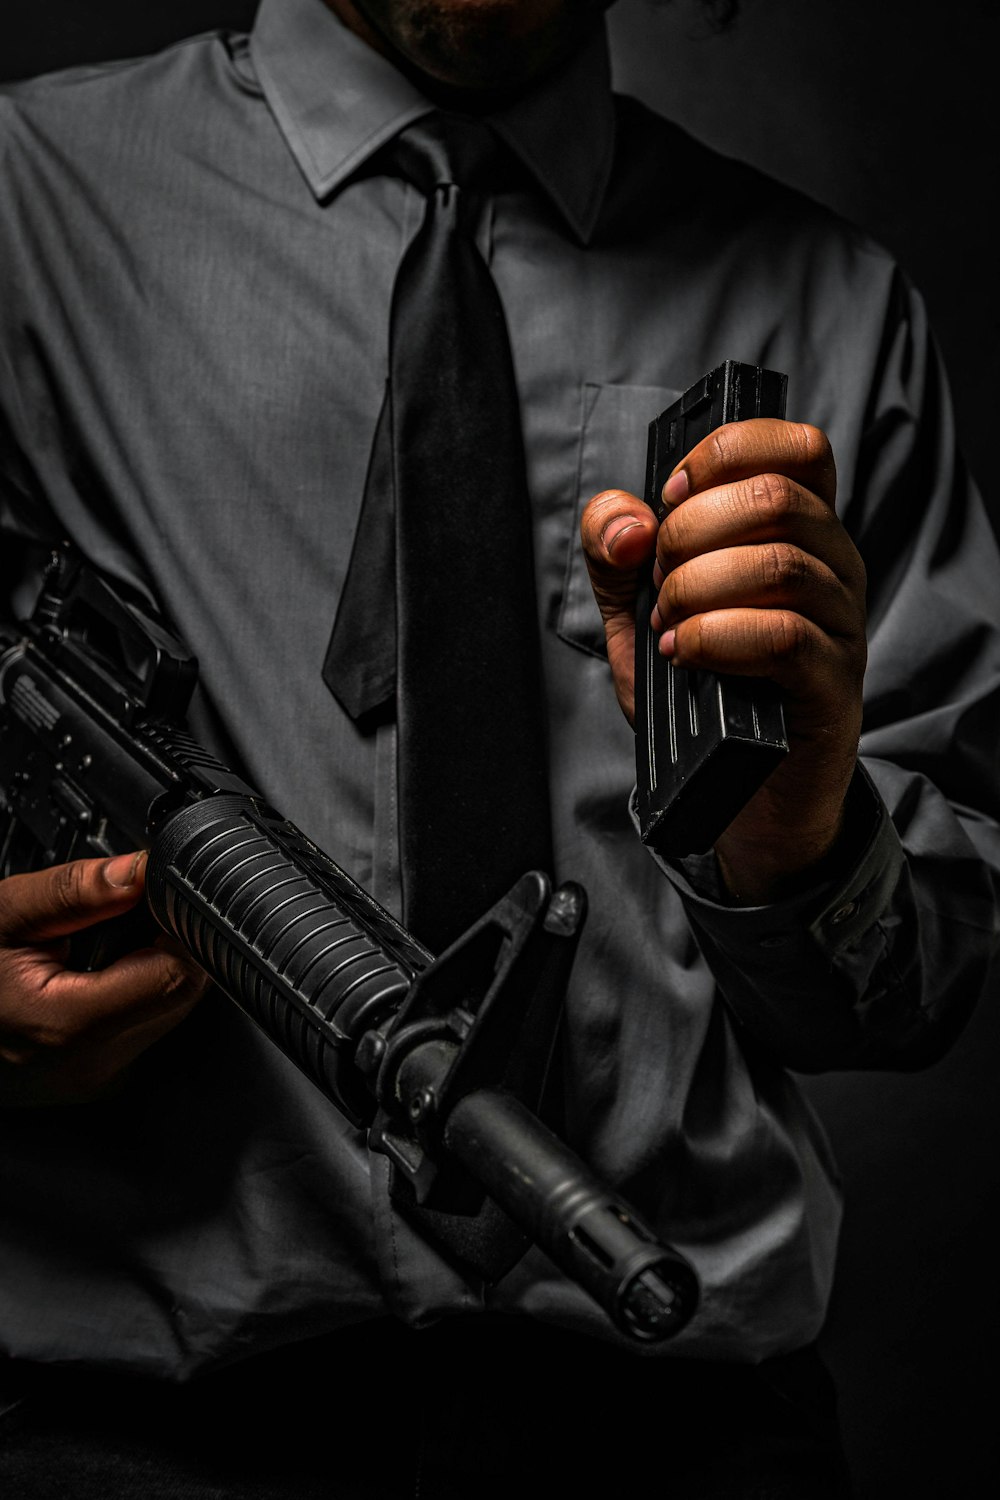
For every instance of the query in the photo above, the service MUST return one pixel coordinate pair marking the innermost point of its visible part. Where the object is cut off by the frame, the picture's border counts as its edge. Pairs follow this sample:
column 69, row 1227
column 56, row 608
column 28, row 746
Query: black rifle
column 443, row 1060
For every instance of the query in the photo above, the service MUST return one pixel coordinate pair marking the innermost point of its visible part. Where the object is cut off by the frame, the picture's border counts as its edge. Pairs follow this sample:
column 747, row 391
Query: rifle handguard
column 305, row 952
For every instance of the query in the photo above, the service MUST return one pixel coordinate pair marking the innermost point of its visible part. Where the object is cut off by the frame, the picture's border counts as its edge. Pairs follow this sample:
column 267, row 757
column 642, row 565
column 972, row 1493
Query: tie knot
column 443, row 150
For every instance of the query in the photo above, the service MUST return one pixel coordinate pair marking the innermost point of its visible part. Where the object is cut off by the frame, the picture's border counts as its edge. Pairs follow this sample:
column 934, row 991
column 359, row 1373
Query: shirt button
column 843, row 912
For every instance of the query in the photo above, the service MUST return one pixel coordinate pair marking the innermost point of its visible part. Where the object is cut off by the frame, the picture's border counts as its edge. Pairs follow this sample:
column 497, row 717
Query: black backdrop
column 886, row 112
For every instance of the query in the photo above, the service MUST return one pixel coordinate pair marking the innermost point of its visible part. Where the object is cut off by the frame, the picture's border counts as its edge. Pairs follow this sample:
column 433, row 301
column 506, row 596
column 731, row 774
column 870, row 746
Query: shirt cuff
column 835, row 913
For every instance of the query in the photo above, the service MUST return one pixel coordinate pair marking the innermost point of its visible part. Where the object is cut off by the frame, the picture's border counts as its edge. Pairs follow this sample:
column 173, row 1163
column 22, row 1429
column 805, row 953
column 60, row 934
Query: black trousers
column 474, row 1409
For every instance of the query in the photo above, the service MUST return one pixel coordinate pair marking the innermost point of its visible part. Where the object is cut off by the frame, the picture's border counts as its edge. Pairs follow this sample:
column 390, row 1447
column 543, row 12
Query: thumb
column 48, row 904
column 618, row 532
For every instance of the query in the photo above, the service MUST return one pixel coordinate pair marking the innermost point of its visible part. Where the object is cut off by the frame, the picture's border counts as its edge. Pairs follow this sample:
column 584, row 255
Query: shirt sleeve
column 882, row 964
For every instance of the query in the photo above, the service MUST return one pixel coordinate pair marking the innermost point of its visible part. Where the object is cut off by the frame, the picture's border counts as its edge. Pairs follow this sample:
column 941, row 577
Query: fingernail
column 658, row 576
column 676, row 488
column 656, row 619
column 616, row 529
column 666, row 646
column 122, row 870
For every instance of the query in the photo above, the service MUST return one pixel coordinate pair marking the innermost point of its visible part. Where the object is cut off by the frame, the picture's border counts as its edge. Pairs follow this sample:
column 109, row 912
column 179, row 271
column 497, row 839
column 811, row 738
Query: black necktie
column 465, row 661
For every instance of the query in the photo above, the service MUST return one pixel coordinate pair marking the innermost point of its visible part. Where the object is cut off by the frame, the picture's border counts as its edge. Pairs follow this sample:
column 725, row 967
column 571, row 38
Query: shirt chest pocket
column 611, row 454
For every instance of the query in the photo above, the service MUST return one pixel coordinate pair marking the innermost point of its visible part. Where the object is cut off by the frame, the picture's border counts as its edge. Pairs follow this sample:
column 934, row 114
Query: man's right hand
column 67, row 1037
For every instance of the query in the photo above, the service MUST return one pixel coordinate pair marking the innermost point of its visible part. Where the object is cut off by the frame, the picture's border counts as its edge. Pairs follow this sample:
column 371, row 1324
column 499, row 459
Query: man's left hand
column 756, row 577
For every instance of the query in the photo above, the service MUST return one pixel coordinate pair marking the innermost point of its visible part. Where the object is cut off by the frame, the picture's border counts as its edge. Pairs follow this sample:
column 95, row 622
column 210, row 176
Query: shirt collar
column 336, row 101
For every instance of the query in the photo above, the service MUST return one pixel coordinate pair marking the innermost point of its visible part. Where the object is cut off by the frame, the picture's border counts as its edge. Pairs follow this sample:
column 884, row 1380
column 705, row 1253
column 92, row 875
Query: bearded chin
column 478, row 44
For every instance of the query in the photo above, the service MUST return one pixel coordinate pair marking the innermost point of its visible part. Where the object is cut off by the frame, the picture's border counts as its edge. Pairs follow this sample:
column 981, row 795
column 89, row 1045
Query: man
column 198, row 261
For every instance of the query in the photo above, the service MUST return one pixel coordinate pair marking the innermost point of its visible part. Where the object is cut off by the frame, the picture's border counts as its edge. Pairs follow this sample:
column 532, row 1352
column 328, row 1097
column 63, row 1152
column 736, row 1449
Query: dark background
column 883, row 109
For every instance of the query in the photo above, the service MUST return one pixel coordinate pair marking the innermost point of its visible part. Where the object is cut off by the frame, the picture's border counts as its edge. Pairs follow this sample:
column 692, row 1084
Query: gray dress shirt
column 195, row 270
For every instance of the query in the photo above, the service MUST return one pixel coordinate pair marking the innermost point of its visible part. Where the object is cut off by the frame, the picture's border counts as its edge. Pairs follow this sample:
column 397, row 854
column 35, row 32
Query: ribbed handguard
column 302, row 949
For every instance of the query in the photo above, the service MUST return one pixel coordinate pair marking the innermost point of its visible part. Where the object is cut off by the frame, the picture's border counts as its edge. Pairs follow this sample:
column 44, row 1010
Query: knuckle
column 596, row 515
column 772, row 497
column 783, row 567
column 812, row 443
column 788, row 635
column 52, row 1026
column 675, row 595
column 67, row 885
column 16, row 897
column 7, row 899
column 670, row 540
column 701, row 638
column 46, row 1040
column 180, row 979
column 723, row 445
column 17, row 1050
column 45, row 1034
